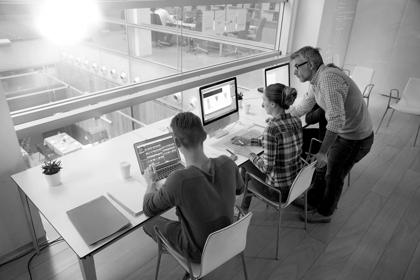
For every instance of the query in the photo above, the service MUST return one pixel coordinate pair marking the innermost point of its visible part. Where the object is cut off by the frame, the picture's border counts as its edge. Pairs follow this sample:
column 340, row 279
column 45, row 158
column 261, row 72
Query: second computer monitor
column 277, row 74
column 219, row 106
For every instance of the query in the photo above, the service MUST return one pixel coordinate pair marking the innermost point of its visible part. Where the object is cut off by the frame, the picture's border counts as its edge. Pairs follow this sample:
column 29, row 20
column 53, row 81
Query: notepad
column 129, row 196
column 97, row 219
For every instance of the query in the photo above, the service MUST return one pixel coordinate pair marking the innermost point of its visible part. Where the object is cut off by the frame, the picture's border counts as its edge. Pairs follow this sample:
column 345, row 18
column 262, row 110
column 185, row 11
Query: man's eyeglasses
column 297, row 66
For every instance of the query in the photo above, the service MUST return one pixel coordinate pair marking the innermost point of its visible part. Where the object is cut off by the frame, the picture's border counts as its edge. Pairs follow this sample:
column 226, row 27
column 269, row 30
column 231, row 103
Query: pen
column 240, row 142
column 230, row 152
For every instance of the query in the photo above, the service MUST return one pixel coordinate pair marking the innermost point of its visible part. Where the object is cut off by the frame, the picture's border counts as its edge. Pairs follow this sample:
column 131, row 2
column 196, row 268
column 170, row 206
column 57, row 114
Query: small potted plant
column 240, row 98
column 51, row 170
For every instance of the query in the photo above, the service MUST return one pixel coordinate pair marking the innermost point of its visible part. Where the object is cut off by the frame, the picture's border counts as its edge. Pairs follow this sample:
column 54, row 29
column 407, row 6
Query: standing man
column 349, row 134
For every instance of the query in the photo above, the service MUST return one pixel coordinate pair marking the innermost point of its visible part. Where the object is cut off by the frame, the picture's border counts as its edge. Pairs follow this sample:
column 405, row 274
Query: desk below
column 86, row 175
column 62, row 143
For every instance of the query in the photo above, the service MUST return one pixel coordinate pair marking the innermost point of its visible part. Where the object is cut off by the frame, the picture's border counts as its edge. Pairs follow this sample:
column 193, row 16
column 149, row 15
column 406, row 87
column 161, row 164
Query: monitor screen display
column 278, row 74
column 218, row 100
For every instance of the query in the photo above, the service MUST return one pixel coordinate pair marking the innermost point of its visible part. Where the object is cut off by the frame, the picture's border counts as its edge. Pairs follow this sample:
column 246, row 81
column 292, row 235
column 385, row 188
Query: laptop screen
column 160, row 150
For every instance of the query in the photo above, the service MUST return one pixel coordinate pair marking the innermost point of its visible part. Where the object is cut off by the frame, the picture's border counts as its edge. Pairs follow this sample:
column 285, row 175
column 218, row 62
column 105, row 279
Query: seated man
column 203, row 193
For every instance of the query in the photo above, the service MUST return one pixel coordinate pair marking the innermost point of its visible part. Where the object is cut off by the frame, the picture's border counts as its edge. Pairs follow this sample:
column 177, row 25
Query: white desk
column 86, row 174
column 93, row 172
column 62, row 143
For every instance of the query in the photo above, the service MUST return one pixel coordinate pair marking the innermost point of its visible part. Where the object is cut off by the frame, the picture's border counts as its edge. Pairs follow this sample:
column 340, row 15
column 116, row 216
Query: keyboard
column 164, row 172
column 237, row 149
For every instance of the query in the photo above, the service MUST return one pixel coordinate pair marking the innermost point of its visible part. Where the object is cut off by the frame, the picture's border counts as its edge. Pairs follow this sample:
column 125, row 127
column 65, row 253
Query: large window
column 140, row 65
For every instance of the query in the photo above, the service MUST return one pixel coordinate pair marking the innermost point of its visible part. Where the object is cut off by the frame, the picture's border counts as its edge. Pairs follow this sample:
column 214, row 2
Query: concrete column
column 140, row 39
column 14, row 231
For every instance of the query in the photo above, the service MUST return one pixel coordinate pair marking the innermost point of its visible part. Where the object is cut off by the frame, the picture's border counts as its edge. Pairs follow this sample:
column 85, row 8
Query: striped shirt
column 282, row 145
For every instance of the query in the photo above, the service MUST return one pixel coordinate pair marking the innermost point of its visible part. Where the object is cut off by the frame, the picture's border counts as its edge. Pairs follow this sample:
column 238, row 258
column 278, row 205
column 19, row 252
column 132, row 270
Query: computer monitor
column 219, row 106
column 277, row 74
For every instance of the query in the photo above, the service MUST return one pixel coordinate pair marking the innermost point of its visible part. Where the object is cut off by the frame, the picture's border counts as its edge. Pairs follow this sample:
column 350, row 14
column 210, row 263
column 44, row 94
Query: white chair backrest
column 362, row 76
column 411, row 94
column 224, row 244
column 301, row 183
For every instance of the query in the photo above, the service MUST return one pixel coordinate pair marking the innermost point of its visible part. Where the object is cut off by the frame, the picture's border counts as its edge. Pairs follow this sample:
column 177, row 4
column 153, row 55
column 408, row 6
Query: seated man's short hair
column 188, row 129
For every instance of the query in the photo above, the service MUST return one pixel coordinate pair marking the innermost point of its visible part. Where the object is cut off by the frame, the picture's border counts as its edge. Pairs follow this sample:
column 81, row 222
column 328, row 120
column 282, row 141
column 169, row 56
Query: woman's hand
column 239, row 140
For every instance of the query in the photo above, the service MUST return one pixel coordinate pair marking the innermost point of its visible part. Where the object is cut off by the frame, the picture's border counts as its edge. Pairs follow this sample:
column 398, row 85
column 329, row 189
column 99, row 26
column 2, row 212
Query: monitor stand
column 220, row 133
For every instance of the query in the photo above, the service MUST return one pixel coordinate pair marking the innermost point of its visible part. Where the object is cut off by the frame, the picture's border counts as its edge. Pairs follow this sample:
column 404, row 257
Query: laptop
column 160, row 151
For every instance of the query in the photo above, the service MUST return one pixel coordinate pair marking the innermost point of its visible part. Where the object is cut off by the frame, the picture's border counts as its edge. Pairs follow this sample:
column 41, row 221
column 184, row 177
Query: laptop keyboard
column 165, row 171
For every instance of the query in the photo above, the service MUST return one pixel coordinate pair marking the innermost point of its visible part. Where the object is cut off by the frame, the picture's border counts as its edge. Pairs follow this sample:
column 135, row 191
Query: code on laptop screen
column 159, row 151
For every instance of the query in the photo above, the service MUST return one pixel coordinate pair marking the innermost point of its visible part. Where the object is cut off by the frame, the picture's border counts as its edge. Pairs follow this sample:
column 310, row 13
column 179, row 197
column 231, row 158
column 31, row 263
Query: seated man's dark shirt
column 204, row 203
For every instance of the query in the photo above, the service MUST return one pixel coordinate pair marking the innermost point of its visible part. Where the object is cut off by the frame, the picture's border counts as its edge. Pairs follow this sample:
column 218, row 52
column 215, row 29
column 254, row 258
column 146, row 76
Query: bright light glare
column 66, row 22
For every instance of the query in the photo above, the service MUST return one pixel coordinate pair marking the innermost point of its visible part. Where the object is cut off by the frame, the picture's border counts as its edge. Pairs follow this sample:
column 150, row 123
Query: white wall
column 14, row 231
column 386, row 37
column 305, row 33
column 308, row 22
column 335, row 30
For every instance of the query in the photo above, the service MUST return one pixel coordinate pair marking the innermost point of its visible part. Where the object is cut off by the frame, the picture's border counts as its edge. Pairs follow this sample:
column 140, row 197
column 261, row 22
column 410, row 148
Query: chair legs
column 417, row 134
column 382, row 119
column 158, row 261
column 244, row 265
column 389, row 120
column 278, row 235
column 305, row 209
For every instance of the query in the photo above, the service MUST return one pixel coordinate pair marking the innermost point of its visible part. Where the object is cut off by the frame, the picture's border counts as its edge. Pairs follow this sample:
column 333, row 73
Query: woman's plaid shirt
column 282, row 144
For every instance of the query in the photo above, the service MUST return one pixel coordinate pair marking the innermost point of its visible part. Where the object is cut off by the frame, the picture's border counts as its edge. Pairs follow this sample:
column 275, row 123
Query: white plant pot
column 54, row 179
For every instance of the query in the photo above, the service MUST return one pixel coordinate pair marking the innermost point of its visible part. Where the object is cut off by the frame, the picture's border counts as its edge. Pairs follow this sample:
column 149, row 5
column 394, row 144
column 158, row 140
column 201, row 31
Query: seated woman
column 281, row 142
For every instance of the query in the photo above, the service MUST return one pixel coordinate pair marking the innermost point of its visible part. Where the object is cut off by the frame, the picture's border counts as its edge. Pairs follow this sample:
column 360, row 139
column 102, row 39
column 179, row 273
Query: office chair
column 257, row 36
column 346, row 71
column 362, row 76
column 366, row 92
column 408, row 102
column 158, row 37
column 221, row 246
column 300, row 186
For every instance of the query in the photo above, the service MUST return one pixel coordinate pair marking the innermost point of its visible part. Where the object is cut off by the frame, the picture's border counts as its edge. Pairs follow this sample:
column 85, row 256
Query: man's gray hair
column 310, row 54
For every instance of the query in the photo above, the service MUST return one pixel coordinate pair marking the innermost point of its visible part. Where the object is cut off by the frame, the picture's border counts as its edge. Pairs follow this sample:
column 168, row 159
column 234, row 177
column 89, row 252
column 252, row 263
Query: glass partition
column 136, row 49
column 93, row 131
